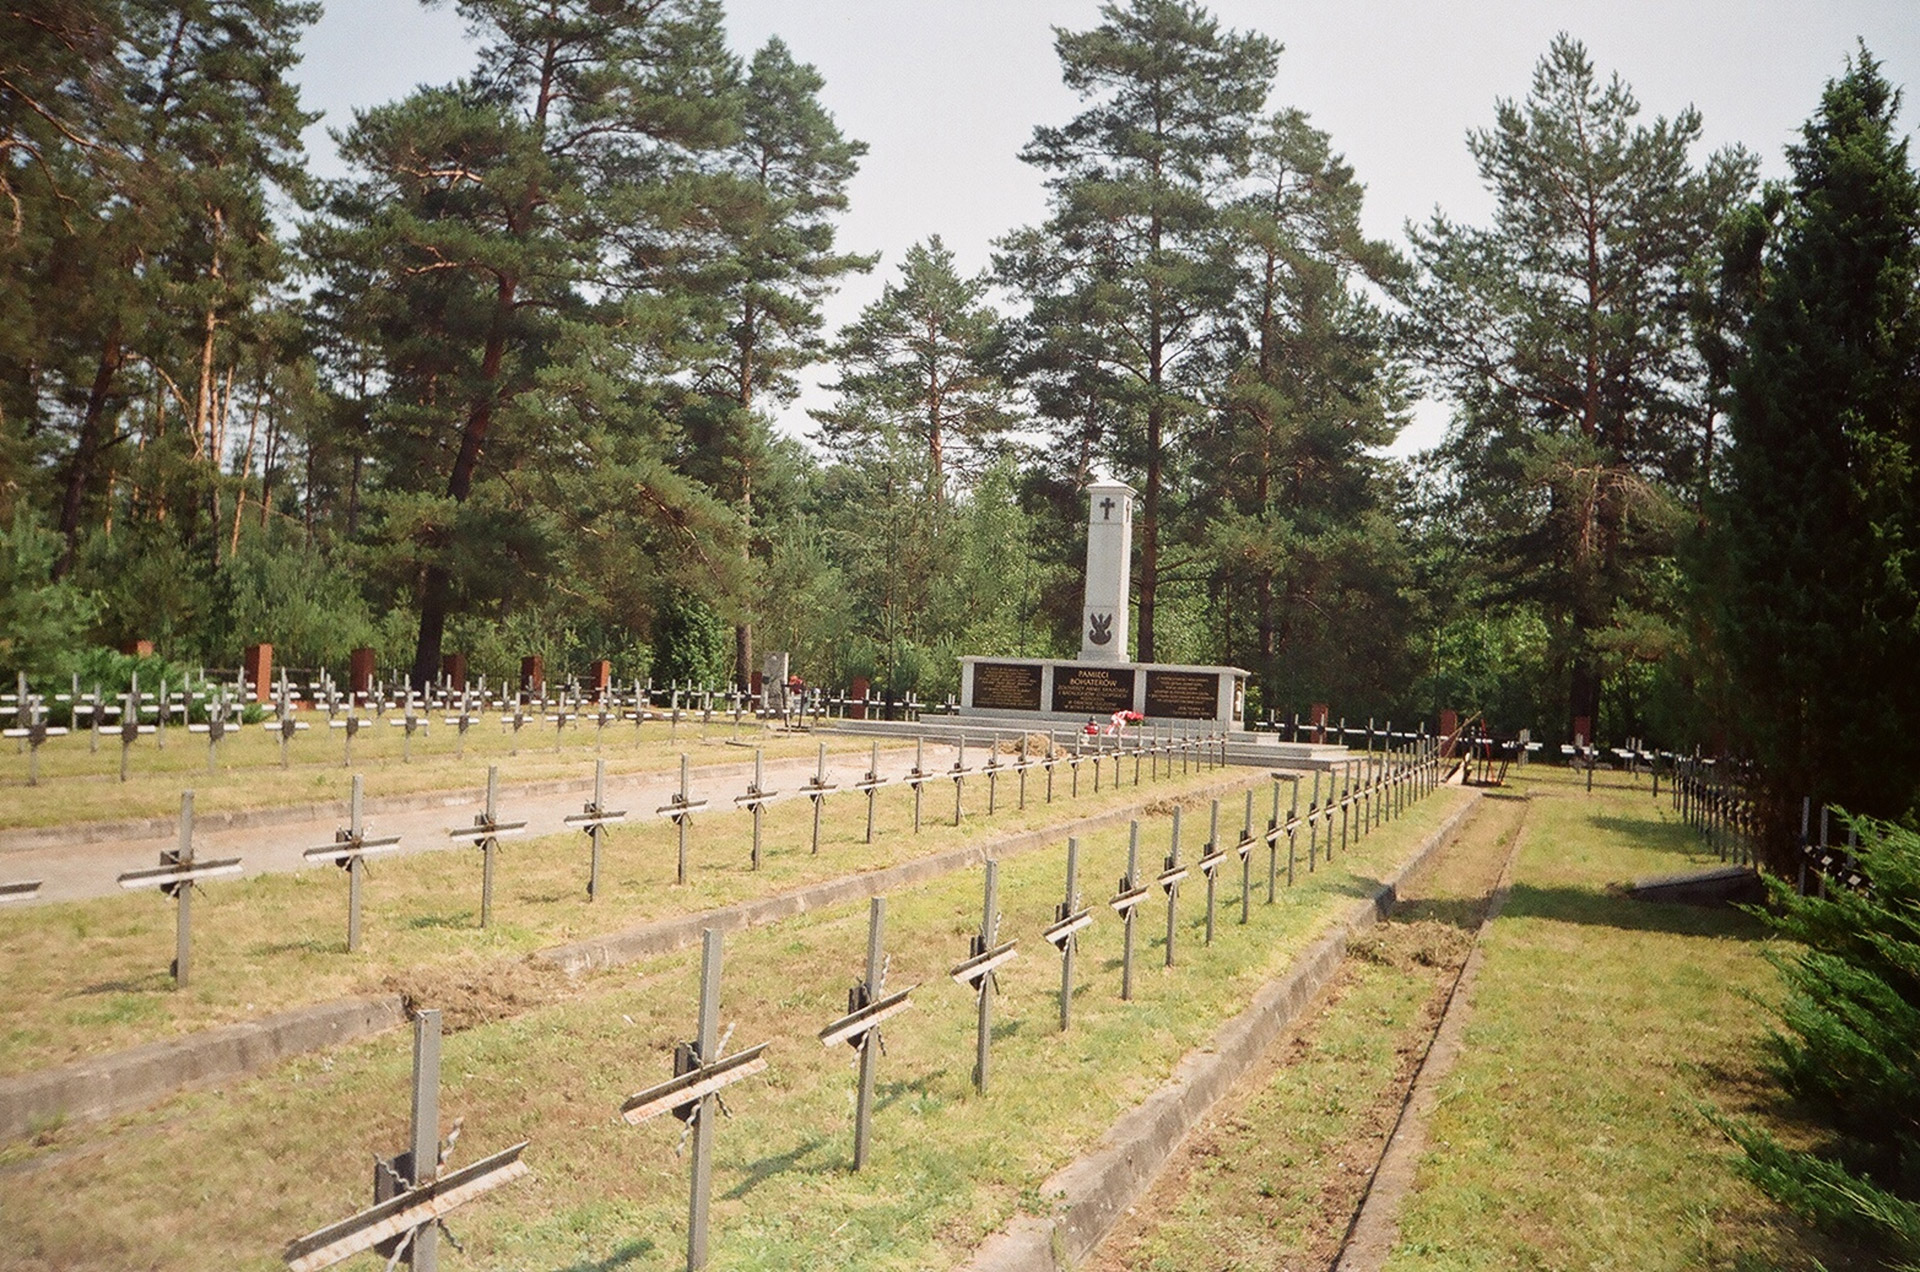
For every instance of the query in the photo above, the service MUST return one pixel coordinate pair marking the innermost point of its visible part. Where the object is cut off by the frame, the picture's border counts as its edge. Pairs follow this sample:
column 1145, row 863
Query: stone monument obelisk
column 1103, row 616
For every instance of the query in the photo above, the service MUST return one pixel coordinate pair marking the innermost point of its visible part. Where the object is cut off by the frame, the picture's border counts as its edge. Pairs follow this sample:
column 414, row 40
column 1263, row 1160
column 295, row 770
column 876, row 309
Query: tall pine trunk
column 87, row 448
column 436, row 591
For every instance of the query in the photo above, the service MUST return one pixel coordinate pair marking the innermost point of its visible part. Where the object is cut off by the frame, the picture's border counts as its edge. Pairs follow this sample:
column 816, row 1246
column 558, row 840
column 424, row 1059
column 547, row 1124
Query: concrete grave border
column 1090, row 1194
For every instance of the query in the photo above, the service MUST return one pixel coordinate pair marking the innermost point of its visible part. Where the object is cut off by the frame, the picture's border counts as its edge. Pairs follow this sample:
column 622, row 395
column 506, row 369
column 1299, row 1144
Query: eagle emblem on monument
column 1100, row 628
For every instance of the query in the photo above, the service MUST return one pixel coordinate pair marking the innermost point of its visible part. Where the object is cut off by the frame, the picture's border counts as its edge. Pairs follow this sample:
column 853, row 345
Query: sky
column 946, row 92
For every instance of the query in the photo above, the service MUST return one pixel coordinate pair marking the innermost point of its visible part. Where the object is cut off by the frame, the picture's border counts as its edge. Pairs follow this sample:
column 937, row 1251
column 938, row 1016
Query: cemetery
column 1082, row 636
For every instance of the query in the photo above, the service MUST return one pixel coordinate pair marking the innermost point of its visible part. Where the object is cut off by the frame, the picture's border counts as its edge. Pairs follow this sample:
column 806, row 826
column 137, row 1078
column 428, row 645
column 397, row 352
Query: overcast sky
column 945, row 92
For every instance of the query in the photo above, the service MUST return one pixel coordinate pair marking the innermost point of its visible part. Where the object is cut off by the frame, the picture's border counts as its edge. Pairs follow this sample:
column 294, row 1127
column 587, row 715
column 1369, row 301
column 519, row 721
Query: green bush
column 1847, row 1050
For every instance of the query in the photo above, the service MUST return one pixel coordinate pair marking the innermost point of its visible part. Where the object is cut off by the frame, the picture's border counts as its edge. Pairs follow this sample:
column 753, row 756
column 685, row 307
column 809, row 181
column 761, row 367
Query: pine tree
column 917, row 365
column 1127, row 276
column 1286, row 474
column 1821, row 614
column 789, row 168
column 513, row 250
column 1562, row 334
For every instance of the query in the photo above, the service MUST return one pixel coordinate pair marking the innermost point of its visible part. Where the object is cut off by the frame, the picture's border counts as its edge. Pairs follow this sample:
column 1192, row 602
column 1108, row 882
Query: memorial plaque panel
column 1006, row 686
column 1183, row 695
column 1085, row 690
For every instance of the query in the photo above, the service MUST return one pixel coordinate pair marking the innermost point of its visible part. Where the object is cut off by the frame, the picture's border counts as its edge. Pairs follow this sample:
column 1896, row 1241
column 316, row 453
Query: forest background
column 508, row 387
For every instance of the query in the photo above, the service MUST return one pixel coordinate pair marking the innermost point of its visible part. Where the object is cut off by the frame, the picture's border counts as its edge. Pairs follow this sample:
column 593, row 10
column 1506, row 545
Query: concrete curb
column 87, row 1090
column 1091, row 1193
column 123, row 1081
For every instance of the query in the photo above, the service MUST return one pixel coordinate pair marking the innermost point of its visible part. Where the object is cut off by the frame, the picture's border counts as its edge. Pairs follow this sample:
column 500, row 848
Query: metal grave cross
column 992, row 768
column 485, row 833
column 605, row 713
column 411, row 1198
column 518, row 721
column 176, row 876
column 284, row 724
column 917, row 778
column 593, row 818
column 130, row 726
column 1063, row 933
column 959, row 773
column 1274, row 829
column 692, row 1094
column 1313, row 824
column 467, row 718
column 1127, row 896
column 352, row 724
column 1212, row 857
column 756, row 799
column 414, row 721
column 680, row 809
column 34, row 730
column 868, row 1003
column 560, row 718
column 1245, row 849
column 1169, row 880
column 976, row 971
column 220, row 721
column 870, row 784
column 349, row 850
column 816, row 790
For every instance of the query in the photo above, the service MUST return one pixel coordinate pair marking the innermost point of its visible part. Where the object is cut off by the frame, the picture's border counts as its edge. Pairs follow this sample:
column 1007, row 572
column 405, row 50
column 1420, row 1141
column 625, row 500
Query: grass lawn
column 1567, row 1136
column 222, row 1179
column 87, row 977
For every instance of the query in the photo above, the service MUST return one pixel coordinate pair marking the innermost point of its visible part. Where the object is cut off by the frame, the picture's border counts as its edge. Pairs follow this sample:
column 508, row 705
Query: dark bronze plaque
column 1183, row 695
column 1006, row 686
column 1096, row 691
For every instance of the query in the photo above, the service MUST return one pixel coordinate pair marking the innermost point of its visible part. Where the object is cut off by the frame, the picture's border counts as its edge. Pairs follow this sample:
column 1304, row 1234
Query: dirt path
column 1274, row 1178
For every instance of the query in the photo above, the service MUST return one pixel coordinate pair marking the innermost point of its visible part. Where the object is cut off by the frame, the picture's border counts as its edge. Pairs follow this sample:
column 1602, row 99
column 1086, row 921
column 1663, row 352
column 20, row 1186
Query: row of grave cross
column 412, row 1195
column 414, row 712
column 1353, row 788
column 219, row 706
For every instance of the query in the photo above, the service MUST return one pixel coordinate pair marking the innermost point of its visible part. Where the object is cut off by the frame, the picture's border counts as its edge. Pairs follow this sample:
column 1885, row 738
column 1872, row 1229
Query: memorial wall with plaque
column 1183, row 695
column 1092, row 690
column 1006, row 686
